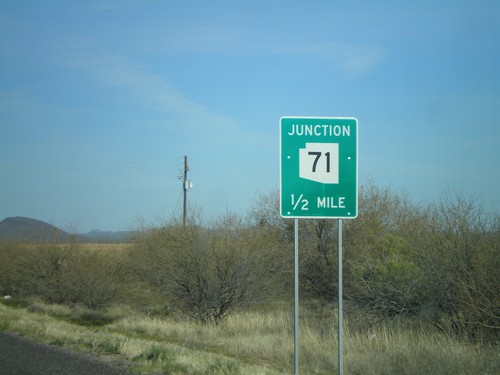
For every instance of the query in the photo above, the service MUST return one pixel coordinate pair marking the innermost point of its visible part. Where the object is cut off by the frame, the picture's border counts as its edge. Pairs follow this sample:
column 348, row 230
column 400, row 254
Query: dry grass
column 149, row 354
column 250, row 337
column 109, row 247
column 257, row 343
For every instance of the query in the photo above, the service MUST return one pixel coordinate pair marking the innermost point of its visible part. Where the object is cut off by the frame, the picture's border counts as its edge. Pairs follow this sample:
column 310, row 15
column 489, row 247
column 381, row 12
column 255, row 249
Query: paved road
column 20, row 356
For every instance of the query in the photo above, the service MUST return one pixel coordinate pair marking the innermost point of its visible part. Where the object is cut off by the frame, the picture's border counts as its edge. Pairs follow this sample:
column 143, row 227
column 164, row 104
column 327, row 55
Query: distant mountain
column 31, row 230
column 26, row 229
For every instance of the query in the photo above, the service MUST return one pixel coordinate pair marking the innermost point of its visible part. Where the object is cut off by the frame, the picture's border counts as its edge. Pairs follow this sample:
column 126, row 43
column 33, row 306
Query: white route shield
column 320, row 162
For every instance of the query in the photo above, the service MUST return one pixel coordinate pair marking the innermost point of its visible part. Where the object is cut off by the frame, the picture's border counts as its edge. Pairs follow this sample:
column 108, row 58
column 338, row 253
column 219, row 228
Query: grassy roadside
column 148, row 353
column 245, row 343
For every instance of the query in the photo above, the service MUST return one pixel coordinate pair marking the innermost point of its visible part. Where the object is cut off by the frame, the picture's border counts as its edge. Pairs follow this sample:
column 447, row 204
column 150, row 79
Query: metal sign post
column 318, row 179
column 341, row 302
column 296, row 301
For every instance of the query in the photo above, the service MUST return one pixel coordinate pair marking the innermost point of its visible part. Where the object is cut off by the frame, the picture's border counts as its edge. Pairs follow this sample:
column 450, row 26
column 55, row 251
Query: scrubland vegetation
column 421, row 289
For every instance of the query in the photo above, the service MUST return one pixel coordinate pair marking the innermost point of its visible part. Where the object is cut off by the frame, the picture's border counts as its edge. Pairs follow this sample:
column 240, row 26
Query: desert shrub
column 40, row 272
column 92, row 279
column 61, row 274
column 437, row 263
column 208, row 271
column 457, row 249
column 387, row 280
column 10, row 255
column 378, row 264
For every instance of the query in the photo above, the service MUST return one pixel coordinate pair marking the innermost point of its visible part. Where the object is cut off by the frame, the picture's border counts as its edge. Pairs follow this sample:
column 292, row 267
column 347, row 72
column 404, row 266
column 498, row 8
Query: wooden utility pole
column 185, row 187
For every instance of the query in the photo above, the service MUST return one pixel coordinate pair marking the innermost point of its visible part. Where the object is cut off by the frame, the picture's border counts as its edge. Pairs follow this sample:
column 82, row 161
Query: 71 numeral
column 318, row 155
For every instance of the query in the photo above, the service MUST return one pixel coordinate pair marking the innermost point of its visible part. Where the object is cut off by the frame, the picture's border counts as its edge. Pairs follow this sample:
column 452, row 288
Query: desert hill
column 31, row 230
column 26, row 229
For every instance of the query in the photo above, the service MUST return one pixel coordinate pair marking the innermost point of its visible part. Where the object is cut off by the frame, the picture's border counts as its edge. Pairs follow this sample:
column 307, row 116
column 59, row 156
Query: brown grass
column 256, row 343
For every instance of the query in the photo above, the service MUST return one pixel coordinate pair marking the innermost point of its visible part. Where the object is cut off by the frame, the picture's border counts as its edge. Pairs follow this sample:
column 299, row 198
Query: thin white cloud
column 136, row 80
column 152, row 90
column 120, row 72
column 483, row 141
column 353, row 59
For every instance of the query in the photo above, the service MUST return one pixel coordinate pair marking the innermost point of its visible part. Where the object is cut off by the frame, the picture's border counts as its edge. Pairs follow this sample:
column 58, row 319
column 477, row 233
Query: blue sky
column 101, row 100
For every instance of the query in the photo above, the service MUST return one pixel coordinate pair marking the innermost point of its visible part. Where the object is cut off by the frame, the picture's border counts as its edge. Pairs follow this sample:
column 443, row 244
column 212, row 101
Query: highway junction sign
column 319, row 167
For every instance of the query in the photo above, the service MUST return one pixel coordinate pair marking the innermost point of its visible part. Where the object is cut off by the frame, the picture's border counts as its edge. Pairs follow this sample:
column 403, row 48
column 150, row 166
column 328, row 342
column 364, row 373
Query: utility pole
column 185, row 188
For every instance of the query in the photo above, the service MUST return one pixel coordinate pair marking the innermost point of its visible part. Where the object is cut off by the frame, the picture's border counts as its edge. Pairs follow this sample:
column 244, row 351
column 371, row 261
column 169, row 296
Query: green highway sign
column 319, row 167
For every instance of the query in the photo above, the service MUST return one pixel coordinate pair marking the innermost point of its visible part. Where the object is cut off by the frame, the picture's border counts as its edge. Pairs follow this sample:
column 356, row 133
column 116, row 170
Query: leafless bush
column 207, row 271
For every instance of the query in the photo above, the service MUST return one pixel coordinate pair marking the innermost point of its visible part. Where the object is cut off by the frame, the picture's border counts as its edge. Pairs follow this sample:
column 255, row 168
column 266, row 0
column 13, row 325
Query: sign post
column 319, row 179
column 340, row 327
column 296, row 300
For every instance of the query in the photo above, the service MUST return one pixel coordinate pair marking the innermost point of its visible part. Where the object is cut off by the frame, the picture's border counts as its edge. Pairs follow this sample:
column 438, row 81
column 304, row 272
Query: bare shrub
column 458, row 251
column 91, row 279
column 208, row 271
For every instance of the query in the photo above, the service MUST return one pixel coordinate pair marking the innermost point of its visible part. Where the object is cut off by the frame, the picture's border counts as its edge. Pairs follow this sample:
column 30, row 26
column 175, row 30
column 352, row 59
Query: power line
column 101, row 165
column 103, row 169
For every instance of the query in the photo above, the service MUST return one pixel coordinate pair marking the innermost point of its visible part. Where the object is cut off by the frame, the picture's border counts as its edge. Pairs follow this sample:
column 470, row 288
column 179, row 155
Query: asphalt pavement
column 20, row 356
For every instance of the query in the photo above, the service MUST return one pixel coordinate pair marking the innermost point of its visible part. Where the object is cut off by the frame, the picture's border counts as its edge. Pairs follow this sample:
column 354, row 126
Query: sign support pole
column 296, row 300
column 318, row 180
column 340, row 307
